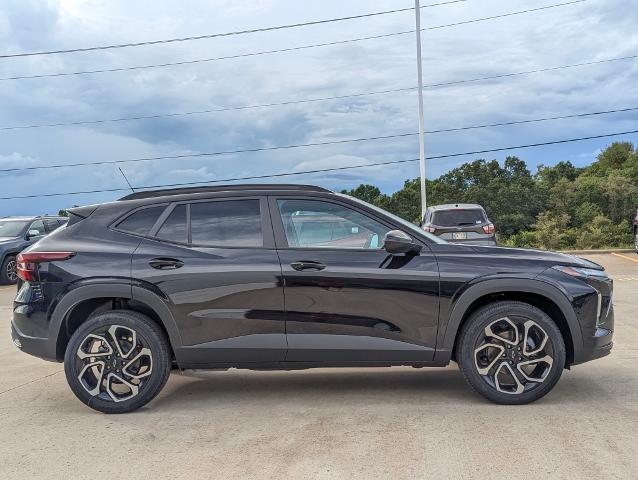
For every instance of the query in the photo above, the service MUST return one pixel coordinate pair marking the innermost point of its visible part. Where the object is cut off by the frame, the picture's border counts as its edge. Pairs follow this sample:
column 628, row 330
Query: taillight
column 429, row 228
column 26, row 262
column 489, row 229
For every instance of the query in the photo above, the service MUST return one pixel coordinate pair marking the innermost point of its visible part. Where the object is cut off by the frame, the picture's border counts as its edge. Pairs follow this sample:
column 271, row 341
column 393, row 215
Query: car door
column 347, row 299
column 216, row 264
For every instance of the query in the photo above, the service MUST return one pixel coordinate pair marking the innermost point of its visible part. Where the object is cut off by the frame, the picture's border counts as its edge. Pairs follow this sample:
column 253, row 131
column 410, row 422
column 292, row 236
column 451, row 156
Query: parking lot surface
column 330, row 423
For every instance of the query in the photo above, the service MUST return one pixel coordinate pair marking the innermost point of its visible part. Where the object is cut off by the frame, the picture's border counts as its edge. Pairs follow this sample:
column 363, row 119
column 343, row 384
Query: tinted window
column 11, row 228
column 233, row 223
column 39, row 226
column 174, row 228
column 317, row 224
column 458, row 218
column 141, row 221
column 52, row 224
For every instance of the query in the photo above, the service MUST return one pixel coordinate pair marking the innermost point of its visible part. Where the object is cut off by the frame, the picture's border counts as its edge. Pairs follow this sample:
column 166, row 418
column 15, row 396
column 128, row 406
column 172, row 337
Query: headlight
column 581, row 272
column 595, row 279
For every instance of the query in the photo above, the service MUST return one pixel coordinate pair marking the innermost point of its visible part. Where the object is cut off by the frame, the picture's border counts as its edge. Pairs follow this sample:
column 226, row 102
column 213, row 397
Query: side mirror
column 32, row 233
column 396, row 241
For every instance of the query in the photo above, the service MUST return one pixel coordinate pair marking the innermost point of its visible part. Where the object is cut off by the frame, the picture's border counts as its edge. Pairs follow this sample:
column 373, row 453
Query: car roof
column 456, row 206
column 250, row 188
column 34, row 217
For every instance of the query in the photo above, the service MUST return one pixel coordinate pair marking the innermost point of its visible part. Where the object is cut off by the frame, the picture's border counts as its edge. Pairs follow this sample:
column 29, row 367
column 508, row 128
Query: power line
column 323, row 170
column 207, row 154
column 250, row 54
column 533, row 120
column 316, row 144
column 318, row 99
column 203, row 60
column 237, row 32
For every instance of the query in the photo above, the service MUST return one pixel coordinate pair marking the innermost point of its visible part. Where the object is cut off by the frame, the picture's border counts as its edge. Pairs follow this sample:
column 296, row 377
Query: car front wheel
column 117, row 361
column 511, row 352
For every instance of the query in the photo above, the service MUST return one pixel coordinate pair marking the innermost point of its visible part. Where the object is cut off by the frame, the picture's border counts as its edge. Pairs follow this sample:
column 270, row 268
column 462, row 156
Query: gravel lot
column 364, row 423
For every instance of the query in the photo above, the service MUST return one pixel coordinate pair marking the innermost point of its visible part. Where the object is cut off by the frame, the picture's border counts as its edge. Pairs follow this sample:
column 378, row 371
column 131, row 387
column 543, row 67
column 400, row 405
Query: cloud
column 571, row 34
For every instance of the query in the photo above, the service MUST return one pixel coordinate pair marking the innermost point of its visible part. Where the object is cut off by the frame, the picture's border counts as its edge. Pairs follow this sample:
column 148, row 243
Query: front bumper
column 593, row 314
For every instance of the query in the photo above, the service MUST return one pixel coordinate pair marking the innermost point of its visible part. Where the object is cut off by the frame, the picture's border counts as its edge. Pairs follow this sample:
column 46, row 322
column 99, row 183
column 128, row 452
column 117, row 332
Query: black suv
column 16, row 234
column 292, row 277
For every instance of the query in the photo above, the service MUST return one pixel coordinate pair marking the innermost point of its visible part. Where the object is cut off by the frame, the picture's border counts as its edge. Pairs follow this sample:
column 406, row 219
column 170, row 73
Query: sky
column 584, row 32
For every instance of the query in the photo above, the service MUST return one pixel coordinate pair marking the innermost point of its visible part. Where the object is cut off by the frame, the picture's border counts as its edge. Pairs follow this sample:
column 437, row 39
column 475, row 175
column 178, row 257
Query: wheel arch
column 85, row 301
column 542, row 295
column 12, row 252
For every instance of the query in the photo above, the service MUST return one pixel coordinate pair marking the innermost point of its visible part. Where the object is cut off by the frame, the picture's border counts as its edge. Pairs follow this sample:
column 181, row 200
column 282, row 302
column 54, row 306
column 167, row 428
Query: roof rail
column 220, row 188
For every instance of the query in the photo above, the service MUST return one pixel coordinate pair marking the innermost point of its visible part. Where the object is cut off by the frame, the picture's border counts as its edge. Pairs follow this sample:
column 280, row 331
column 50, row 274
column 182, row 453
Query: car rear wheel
column 8, row 274
column 117, row 361
column 636, row 240
column 511, row 352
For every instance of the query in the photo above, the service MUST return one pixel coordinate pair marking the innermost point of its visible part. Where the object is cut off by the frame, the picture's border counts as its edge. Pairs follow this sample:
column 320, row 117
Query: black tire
column 636, row 240
column 474, row 352
column 148, row 344
column 8, row 275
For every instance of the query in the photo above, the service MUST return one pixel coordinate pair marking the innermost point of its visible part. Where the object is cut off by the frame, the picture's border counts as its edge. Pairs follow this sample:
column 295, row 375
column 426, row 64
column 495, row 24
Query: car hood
column 8, row 239
column 542, row 256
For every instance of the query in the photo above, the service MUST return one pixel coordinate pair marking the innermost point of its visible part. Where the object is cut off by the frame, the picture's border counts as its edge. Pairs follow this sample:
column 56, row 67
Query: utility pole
column 417, row 11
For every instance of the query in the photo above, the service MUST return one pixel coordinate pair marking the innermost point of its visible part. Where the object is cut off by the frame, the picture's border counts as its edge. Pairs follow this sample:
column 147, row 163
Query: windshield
column 458, row 217
column 12, row 228
column 407, row 226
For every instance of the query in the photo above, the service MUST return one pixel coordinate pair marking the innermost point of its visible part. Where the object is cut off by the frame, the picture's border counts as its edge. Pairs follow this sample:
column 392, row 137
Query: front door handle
column 166, row 263
column 303, row 265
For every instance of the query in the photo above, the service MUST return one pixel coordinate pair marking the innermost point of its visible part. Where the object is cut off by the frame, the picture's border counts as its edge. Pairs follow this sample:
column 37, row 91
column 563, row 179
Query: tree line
column 558, row 207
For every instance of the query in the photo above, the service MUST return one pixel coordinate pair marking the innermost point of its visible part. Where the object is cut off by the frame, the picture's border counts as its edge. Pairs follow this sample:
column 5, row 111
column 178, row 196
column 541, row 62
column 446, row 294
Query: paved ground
column 387, row 423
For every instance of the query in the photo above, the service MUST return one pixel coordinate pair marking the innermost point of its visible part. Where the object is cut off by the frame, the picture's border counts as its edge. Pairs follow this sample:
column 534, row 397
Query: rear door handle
column 303, row 265
column 166, row 263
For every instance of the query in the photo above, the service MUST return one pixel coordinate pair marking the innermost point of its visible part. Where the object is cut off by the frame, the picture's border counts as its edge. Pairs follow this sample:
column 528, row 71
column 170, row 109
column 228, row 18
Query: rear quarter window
column 141, row 221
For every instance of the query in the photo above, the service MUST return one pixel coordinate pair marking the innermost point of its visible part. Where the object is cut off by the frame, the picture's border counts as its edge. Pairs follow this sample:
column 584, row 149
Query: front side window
column 319, row 224
column 39, row 226
column 232, row 223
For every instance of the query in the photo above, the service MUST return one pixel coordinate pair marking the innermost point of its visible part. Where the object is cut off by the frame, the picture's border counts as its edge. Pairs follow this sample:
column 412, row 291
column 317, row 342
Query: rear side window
column 458, row 218
column 175, row 228
column 233, row 223
column 141, row 222
column 51, row 224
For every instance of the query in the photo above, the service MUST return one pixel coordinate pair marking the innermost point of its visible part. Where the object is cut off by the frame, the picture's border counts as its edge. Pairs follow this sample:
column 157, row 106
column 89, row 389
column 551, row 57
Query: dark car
column 460, row 223
column 16, row 234
column 292, row 277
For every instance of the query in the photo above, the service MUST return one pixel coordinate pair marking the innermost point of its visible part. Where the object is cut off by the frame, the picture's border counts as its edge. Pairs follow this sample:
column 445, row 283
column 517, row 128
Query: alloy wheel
column 11, row 272
column 113, row 363
column 514, row 355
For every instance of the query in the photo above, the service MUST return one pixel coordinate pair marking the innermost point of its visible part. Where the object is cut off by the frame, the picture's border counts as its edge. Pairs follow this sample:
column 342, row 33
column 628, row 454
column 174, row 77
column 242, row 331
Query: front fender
column 450, row 327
